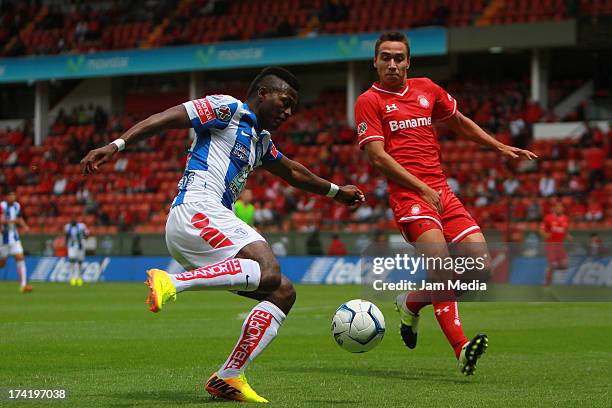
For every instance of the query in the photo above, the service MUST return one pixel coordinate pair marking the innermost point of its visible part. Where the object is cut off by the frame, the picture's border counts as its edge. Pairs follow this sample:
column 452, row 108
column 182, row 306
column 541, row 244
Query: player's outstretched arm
column 383, row 162
column 300, row 177
column 465, row 127
column 172, row 118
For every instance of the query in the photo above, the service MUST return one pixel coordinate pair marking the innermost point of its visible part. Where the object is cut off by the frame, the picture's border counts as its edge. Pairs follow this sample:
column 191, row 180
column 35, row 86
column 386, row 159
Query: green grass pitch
column 101, row 344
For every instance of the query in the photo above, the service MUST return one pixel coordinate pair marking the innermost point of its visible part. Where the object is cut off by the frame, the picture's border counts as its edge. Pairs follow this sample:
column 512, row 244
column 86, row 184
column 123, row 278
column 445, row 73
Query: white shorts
column 203, row 233
column 76, row 254
column 12, row 249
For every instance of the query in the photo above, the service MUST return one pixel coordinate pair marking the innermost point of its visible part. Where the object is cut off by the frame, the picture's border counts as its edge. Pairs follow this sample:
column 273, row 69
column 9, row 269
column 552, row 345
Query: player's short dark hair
column 273, row 78
column 392, row 36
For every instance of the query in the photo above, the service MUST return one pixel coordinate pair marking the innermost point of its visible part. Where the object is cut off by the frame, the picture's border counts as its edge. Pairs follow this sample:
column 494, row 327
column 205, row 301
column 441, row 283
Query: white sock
column 231, row 274
column 77, row 270
column 259, row 329
column 22, row 272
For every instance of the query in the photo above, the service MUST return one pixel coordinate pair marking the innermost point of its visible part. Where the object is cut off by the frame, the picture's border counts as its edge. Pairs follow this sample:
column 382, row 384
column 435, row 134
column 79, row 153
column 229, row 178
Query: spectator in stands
column 136, row 247
column 107, row 245
column 511, row 185
column 576, row 186
column 312, row 28
column 263, row 214
column 284, row 29
column 595, row 157
column 121, row 164
column 594, row 211
column 548, row 186
column 82, row 194
column 336, row 247
column 364, row 213
column 313, row 244
column 279, row 248
column 244, row 208
column 59, row 186
column 453, row 184
column 596, row 247
column 441, row 14
column 333, row 11
column 573, row 166
column 534, row 212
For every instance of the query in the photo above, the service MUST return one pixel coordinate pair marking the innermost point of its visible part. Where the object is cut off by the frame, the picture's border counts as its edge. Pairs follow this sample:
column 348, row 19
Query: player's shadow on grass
column 442, row 375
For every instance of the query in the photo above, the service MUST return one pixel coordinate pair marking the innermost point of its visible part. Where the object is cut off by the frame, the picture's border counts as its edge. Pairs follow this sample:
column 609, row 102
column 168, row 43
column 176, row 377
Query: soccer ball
column 358, row 326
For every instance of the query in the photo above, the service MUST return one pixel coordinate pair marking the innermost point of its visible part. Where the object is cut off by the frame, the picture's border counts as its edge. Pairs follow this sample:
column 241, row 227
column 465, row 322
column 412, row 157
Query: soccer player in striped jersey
column 218, row 250
column 76, row 232
column 10, row 243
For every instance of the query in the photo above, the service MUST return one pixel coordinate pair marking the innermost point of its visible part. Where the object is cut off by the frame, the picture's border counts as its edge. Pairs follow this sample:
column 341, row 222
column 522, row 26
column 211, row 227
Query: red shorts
column 556, row 255
column 414, row 216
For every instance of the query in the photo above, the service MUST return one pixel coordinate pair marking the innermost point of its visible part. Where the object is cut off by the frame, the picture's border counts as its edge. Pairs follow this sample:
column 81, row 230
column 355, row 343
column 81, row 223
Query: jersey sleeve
column 272, row 154
column 368, row 120
column 214, row 111
column 445, row 105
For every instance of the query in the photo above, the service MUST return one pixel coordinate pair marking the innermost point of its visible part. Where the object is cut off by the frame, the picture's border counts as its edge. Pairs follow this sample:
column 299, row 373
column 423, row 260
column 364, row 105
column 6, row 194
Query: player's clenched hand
column 97, row 157
column 515, row 152
column 350, row 195
column 433, row 197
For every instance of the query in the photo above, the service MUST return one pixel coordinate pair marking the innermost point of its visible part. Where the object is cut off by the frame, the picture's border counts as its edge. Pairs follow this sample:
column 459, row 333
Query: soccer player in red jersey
column 394, row 125
column 554, row 230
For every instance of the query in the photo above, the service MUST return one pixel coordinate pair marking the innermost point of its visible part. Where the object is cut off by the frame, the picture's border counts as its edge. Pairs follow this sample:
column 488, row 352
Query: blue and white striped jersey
column 75, row 235
column 227, row 148
column 10, row 212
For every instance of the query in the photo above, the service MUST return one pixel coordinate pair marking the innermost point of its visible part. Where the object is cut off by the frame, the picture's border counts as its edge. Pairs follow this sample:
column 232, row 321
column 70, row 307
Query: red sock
column 416, row 300
column 447, row 314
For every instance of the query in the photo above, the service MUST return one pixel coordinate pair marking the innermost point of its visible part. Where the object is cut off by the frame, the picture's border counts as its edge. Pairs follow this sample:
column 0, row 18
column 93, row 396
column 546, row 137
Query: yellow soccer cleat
column 233, row 388
column 79, row 282
column 471, row 352
column 73, row 282
column 161, row 289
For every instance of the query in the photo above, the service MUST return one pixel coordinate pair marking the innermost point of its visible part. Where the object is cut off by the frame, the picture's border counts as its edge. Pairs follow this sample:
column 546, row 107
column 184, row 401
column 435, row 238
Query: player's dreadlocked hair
column 391, row 36
column 273, row 78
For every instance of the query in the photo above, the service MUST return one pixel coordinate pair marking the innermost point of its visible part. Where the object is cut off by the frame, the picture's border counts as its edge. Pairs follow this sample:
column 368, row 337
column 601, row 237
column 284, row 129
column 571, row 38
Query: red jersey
column 556, row 227
column 403, row 120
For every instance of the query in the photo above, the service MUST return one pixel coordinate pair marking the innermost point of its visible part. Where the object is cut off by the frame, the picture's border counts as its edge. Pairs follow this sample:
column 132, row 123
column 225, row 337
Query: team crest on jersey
column 361, row 129
column 423, row 101
column 415, row 209
column 223, row 113
column 241, row 232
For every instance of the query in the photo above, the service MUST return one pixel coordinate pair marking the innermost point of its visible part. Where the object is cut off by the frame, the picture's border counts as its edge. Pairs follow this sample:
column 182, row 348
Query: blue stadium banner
column 227, row 55
column 302, row 269
column 582, row 271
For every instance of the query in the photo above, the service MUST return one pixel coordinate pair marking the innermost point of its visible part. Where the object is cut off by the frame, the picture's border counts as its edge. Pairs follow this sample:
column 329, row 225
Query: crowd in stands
column 134, row 192
column 35, row 27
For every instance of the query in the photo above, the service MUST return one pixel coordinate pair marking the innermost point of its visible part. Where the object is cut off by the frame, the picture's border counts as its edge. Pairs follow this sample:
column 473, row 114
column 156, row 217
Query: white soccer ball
column 358, row 326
